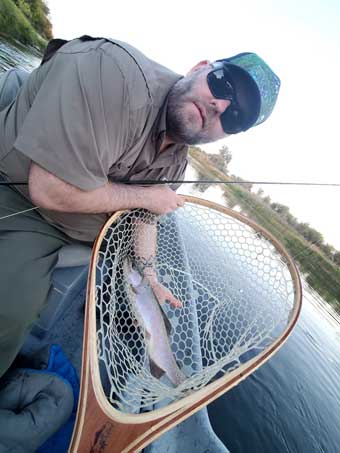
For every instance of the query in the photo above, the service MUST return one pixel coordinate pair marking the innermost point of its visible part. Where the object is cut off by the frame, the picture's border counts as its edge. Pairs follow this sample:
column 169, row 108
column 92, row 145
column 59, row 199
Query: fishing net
column 238, row 298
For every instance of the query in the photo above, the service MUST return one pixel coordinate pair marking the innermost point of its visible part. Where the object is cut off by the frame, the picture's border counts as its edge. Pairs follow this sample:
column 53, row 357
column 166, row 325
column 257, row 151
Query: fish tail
column 178, row 377
column 155, row 370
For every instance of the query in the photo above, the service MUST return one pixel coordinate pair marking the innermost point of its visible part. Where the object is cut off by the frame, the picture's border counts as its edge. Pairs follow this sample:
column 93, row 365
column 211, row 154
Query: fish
column 157, row 328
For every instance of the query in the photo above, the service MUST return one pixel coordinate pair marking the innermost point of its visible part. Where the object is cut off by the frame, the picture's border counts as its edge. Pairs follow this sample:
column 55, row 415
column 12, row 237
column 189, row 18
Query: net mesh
column 235, row 287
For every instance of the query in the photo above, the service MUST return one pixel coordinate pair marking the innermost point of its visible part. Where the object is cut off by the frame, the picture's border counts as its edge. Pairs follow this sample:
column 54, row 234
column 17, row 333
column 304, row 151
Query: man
column 96, row 112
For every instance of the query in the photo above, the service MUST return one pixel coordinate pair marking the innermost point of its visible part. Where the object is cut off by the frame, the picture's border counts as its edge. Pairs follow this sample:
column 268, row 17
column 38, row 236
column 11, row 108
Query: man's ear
column 199, row 65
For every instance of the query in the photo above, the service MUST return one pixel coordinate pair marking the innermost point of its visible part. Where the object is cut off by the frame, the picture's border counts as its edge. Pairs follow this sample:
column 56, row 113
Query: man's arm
column 145, row 249
column 49, row 192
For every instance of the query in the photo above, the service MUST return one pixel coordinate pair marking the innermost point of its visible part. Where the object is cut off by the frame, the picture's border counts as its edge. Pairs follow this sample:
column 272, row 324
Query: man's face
column 193, row 114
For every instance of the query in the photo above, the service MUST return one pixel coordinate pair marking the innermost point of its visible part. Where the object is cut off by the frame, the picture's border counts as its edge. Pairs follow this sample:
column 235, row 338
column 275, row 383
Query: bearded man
column 95, row 113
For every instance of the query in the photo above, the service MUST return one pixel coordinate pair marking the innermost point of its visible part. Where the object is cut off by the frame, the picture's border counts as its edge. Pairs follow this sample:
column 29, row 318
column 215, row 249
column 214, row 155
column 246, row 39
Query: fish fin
column 147, row 335
column 126, row 267
column 156, row 371
column 176, row 376
column 167, row 323
column 131, row 274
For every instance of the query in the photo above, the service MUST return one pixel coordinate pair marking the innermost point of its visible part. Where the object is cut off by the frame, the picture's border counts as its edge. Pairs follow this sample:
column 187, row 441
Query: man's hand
column 161, row 200
column 162, row 294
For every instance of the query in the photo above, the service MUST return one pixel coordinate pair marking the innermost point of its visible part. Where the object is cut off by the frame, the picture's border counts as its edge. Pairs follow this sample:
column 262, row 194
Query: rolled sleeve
column 75, row 128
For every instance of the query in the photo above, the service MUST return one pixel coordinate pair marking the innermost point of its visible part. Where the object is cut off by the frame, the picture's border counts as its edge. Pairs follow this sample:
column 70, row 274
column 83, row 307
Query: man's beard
column 178, row 126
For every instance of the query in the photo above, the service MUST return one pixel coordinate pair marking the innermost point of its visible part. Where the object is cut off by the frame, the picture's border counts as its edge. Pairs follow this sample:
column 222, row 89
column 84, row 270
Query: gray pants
column 28, row 254
column 10, row 82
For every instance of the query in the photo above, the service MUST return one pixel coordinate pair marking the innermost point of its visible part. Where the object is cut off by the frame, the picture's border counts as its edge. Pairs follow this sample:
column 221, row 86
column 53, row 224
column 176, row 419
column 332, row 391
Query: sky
column 299, row 40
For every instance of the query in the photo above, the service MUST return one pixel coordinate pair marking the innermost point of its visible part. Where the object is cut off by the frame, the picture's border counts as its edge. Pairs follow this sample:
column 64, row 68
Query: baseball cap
column 256, row 86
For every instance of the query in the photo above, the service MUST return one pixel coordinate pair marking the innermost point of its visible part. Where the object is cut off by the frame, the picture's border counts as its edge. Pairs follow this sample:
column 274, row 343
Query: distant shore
column 320, row 272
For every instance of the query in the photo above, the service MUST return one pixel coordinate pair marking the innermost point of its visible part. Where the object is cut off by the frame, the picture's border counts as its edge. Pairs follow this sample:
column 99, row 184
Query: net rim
column 213, row 390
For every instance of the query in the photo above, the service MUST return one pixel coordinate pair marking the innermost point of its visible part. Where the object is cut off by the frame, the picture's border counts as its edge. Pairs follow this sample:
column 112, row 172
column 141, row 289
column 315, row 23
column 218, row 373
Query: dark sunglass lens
column 219, row 85
column 232, row 120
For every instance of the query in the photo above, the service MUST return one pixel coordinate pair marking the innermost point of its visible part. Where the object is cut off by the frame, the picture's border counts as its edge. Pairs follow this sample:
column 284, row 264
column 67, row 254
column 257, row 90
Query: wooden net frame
column 102, row 425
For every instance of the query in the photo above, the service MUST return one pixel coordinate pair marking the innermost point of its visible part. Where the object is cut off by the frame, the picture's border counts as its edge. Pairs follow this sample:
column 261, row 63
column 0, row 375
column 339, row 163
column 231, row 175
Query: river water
column 290, row 404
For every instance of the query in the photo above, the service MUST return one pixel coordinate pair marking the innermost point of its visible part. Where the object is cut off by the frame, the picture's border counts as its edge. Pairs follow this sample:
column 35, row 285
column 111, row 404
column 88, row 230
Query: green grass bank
column 16, row 25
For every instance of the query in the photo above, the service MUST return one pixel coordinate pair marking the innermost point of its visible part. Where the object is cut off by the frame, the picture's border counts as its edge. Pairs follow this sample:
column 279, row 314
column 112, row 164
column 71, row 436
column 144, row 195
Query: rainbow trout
column 157, row 329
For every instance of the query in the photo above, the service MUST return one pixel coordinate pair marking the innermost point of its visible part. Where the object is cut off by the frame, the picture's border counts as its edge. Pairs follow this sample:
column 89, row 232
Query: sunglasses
column 220, row 83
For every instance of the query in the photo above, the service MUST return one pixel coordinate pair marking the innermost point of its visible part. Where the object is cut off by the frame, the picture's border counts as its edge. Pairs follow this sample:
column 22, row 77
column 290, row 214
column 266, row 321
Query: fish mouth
column 202, row 113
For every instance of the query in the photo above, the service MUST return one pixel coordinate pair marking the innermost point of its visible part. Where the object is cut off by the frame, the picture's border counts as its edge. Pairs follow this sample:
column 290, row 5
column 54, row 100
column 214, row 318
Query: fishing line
column 17, row 213
column 203, row 181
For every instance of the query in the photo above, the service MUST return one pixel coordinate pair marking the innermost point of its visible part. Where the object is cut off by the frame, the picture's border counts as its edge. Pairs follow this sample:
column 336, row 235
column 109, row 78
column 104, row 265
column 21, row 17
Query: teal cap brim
column 267, row 83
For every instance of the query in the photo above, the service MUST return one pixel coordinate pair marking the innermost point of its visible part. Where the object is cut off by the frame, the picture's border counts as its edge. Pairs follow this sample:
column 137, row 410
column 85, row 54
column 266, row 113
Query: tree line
column 222, row 159
column 37, row 12
column 26, row 21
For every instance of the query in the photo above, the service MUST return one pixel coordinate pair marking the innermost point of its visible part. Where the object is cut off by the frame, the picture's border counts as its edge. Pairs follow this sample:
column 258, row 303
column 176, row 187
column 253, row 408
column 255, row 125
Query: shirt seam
column 103, row 52
column 108, row 55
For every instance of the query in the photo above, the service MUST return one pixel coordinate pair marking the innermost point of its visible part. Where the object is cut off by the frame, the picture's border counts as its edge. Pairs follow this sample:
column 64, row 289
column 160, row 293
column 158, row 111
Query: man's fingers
column 176, row 303
column 173, row 301
column 180, row 201
column 164, row 295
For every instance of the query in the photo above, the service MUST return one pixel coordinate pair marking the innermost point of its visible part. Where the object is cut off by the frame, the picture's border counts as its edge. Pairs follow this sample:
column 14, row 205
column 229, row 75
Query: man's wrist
column 146, row 265
column 123, row 196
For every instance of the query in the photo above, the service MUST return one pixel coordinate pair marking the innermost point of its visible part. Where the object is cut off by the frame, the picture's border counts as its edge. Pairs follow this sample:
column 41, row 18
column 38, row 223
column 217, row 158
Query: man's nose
column 221, row 105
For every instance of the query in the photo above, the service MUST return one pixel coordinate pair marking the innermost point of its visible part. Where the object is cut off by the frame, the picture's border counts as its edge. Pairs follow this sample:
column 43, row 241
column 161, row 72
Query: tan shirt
column 95, row 112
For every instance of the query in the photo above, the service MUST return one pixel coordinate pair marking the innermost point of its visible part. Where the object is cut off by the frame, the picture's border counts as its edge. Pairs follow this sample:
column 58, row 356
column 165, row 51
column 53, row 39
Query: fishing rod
column 202, row 181
column 164, row 181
